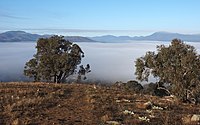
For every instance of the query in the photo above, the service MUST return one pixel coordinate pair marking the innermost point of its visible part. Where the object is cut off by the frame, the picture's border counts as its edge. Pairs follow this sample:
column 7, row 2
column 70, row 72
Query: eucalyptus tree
column 56, row 59
column 177, row 64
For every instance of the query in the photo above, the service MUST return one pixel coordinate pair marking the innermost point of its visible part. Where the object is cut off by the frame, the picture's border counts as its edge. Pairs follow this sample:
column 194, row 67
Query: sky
column 100, row 17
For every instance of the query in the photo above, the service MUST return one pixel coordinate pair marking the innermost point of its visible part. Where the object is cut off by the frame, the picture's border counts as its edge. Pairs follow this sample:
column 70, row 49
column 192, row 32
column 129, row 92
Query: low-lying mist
column 109, row 62
column 13, row 57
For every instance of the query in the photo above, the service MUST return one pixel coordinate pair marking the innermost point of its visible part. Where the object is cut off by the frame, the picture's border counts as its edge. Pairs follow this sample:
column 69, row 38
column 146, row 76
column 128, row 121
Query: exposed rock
column 127, row 112
column 195, row 118
column 113, row 122
column 157, row 107
column 144, row 118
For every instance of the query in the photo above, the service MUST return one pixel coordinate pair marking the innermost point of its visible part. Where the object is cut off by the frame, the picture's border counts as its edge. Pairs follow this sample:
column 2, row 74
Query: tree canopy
column 177, row 64
column 56, row 59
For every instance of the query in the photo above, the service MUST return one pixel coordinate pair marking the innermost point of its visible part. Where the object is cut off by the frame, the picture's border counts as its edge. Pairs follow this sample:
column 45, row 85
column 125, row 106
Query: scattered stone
column 125, row 100
column 128, row 112
column 113, row 122
column 144, row 118
column 118, row 101
column 152, row 116
column 195, row 118
column 122, row 100
column 157, row 107
column 149, row 111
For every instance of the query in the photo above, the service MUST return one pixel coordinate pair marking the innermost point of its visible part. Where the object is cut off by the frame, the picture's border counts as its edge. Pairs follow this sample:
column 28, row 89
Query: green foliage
column 56, row 59
column 177, row 64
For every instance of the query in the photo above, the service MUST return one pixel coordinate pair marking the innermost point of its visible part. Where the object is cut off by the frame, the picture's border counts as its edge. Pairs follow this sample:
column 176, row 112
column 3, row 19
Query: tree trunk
column 60, row 77
column 55, row 78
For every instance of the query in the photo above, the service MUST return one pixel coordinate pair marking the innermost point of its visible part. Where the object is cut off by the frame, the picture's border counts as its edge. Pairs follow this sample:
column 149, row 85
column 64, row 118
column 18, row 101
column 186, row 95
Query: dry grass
column 71, row 104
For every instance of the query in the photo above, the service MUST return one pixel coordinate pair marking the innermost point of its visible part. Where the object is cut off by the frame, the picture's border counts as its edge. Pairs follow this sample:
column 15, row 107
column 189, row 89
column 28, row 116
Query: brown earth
column 81, row 104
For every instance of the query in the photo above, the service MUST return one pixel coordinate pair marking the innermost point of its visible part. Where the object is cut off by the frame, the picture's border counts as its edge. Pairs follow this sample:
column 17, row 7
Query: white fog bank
column 109, row 61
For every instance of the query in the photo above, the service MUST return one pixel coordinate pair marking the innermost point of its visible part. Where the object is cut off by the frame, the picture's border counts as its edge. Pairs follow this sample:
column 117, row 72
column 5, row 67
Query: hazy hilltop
column 166, row 36
column 21, row 36
column 18, row 36
column 157, row 36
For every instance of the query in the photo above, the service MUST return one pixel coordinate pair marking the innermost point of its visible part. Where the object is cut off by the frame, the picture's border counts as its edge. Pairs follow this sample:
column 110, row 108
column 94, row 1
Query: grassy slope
column 71, row 104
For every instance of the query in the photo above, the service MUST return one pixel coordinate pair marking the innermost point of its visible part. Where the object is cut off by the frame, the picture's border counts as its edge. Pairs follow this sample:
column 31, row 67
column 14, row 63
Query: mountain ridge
column 157, row 36
column 22, row 36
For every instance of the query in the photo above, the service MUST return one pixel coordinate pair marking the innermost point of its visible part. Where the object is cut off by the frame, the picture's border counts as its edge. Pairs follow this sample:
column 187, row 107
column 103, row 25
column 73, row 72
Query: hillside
column 166, row 36
column 21, row 36
column 157, row 36
column 78, row 39
column 18, row 36
column 81, row 104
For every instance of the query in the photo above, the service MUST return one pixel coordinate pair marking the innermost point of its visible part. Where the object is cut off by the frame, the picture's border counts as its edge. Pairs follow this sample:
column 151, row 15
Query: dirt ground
column 83, row 104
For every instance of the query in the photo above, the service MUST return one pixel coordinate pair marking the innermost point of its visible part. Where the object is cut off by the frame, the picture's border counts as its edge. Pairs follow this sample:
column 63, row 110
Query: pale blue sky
column 100, row 17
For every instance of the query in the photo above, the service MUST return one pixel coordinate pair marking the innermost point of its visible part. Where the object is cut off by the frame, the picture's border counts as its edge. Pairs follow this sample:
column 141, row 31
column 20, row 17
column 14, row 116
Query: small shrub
column 133, row 86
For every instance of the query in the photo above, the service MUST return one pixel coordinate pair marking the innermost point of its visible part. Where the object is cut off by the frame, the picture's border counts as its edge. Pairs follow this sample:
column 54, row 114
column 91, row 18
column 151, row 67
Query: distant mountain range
column 157, row 36
column 20, row 36
column 165, row 36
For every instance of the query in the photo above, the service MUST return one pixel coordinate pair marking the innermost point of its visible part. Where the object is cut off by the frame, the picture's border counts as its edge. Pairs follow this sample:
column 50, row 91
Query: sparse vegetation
column 65, row 104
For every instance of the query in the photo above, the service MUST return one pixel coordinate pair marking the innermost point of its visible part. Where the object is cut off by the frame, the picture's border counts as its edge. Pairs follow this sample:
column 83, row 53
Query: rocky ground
column 81, row 104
